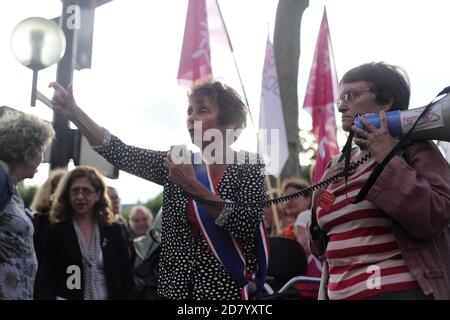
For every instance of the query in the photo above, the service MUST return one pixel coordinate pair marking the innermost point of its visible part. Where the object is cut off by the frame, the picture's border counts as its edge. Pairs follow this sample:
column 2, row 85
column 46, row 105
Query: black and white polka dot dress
column 187, row 269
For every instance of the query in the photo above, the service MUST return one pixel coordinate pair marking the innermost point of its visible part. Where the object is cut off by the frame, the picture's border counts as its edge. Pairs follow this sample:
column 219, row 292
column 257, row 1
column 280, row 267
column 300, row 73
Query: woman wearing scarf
column 85, row 256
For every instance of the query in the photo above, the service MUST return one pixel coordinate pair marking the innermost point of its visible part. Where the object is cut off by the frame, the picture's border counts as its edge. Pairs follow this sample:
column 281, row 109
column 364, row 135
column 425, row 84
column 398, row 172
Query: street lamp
column 37, row 43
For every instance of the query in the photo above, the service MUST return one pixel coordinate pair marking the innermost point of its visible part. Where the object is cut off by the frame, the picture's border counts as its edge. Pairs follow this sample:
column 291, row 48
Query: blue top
column 16, row 229
column 5, row 188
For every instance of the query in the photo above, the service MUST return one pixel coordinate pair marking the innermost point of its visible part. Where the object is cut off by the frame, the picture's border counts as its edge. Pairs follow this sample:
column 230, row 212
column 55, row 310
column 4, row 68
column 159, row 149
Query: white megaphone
column 434, row 125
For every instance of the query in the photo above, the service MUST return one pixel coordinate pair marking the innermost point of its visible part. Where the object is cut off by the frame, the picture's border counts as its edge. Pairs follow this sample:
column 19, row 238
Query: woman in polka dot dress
column 191, row 267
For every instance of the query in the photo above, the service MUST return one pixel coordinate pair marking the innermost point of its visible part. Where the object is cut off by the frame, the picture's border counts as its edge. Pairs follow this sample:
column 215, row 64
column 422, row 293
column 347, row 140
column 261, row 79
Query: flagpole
column 243, row 90
column 279, row 195
column 235, row 64
column 276, row 219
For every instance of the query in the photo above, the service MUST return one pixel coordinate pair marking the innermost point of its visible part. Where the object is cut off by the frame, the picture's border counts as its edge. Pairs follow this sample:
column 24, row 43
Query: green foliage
column 27, row 193
column 308, row 144
column 126, row 213
column 305, row 173
column 155, row 204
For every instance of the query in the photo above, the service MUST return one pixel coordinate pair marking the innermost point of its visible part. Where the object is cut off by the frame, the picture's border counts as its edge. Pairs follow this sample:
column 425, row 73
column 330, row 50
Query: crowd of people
column 73, row 242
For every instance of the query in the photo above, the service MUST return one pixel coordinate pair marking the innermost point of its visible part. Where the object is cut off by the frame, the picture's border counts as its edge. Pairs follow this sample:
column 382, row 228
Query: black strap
column 397, row 150
column 347, row 153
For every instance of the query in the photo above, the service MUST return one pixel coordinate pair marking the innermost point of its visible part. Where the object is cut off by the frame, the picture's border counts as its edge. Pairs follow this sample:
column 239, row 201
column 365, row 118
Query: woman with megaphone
column 393, row 242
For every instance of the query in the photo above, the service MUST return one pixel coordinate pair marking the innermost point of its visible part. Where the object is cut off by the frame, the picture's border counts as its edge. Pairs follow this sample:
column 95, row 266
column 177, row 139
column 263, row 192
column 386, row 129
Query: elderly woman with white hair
column 140, row 220
column 23, row 139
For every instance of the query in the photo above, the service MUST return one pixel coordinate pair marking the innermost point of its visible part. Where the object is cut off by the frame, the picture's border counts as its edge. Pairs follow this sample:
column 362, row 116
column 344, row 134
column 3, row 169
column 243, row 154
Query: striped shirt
column 362, row 253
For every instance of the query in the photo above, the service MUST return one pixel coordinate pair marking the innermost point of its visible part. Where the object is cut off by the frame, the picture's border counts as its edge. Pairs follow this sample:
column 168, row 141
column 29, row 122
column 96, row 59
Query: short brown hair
column 231, row 108
column 385, row 80
column 62, row 209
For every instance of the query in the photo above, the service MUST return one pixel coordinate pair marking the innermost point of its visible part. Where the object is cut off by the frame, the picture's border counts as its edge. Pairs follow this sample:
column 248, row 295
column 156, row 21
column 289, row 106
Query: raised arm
column 144, row 163
column 64, row 104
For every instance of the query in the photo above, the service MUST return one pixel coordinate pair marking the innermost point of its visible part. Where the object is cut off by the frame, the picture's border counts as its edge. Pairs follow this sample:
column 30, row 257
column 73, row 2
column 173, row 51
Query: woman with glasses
column 395, row 243
column 85, row 256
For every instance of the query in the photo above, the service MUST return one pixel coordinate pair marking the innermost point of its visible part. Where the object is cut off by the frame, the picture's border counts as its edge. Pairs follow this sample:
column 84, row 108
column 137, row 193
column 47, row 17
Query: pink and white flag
column 195, row 62
column 272, row 141
column 204, row 29
column 319, row 100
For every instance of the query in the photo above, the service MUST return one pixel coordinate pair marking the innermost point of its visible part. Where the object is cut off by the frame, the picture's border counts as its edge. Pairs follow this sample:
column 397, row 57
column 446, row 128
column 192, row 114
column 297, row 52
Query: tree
column 287, row 54
column 27, row 193
column 155, row 204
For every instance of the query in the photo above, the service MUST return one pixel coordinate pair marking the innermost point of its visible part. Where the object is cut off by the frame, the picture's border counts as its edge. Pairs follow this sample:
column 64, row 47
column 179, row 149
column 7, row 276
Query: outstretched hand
column 63, row 101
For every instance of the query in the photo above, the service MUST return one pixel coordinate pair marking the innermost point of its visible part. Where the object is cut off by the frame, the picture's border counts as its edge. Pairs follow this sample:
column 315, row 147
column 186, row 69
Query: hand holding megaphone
column 377, row 140
column 434, row 125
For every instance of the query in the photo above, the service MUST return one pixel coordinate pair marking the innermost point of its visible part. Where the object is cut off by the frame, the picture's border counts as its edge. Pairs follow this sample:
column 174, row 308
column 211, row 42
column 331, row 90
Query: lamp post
column 63, row 146
column 37, row 43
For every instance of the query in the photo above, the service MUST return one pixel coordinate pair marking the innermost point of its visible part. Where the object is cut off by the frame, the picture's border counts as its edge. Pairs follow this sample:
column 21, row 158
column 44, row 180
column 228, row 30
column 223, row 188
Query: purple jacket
column 415, row 191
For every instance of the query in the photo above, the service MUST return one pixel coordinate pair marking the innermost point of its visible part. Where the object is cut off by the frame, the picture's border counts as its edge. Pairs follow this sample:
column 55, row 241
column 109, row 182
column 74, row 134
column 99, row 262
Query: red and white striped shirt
column 362, row 253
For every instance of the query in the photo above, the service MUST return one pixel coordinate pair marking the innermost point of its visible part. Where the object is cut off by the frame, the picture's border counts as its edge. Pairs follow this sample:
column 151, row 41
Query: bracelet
column 105, row 141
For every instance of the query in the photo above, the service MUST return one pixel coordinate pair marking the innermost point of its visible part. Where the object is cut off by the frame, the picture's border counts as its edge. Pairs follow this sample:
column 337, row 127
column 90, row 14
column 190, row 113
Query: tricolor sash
column 226, row 248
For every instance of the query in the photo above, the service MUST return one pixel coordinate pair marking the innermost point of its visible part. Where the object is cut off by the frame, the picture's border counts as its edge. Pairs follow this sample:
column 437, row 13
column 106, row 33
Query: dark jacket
column 41, row 222
column 61, row 250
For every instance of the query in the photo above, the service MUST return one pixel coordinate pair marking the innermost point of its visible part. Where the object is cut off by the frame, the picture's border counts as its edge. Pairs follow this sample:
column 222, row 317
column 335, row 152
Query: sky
column 132, row 89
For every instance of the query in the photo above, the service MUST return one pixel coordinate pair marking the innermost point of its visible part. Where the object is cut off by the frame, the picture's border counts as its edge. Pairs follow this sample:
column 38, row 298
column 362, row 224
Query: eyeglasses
column 349, row 96
column 85, row 192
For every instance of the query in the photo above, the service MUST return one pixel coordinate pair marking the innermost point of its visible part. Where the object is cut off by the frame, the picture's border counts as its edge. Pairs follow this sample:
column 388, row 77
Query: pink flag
column 195, row 62
column 319, row 100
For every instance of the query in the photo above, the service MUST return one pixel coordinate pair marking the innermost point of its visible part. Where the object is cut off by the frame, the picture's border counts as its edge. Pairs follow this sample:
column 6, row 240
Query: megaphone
column 434, row 125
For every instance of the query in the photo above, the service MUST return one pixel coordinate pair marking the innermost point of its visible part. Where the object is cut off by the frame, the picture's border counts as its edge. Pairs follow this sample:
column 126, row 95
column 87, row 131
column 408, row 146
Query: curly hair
column 231, row 108
column 21, row 133
column 42, row 201
column 62, row 210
